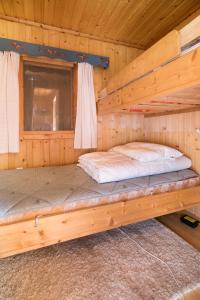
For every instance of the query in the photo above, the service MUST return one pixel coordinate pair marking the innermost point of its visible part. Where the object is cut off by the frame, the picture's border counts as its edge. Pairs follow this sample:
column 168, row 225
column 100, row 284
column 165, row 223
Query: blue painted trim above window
column 52, row 52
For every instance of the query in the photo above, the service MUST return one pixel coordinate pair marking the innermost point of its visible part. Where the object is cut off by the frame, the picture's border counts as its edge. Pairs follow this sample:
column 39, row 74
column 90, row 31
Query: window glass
column 47, row 98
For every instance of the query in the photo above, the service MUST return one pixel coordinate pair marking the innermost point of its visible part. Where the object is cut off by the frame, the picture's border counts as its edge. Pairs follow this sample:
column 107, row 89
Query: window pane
column 47, row 98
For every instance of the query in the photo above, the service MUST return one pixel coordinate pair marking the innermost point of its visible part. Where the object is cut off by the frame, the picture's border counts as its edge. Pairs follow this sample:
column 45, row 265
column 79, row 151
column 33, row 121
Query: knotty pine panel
column 113, row 129
column 178, row 131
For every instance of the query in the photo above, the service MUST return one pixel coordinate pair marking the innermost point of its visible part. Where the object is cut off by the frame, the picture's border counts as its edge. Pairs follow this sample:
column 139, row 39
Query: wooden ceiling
column 139, row 23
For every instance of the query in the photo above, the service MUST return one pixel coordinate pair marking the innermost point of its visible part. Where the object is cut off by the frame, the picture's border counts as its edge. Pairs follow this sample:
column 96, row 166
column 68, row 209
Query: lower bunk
column 44, row 206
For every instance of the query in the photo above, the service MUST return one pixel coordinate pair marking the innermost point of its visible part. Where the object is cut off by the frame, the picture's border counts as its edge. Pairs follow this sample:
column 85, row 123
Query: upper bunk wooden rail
column 162, row 70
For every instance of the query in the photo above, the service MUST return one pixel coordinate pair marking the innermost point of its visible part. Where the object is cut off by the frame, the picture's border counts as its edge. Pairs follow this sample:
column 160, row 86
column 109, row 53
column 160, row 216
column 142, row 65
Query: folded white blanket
column 111, row 166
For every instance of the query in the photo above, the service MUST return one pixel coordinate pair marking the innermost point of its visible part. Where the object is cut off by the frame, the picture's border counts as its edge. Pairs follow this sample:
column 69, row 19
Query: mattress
column 35, row 192
column 111, row 166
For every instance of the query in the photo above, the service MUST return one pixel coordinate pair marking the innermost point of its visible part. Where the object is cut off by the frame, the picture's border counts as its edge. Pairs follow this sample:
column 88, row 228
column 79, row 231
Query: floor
column 138, row 262
column 191, row 235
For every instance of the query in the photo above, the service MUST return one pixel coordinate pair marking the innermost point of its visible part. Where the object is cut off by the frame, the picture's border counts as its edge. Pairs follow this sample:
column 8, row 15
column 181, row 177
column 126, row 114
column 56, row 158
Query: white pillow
column 165, row 151
column 142, row 154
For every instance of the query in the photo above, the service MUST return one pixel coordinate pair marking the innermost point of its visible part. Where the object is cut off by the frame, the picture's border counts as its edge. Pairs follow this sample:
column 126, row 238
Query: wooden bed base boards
column 46, row 230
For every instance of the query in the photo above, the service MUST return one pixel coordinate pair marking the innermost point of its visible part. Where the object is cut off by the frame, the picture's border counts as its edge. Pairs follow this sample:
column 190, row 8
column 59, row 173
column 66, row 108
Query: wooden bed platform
column 51, row 229
column 33, row 231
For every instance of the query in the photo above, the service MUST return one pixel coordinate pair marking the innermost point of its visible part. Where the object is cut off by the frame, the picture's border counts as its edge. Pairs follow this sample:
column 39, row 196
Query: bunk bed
column 164, row 79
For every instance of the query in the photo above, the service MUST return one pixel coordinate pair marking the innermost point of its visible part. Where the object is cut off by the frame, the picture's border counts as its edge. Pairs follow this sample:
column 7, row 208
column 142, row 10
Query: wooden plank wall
column 178, row 130
column 113, row 129
column 120, row 129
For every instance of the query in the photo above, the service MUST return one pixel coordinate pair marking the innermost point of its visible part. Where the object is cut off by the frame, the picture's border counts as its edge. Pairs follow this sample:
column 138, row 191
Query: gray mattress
column 31, row 192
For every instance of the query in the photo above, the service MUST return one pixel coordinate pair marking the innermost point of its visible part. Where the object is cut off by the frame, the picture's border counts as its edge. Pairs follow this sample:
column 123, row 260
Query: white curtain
column 9, row 102
column 86, row 117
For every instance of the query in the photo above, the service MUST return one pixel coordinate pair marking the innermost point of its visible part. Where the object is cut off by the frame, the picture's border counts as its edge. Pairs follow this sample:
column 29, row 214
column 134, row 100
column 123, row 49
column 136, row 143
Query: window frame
column 45, row 61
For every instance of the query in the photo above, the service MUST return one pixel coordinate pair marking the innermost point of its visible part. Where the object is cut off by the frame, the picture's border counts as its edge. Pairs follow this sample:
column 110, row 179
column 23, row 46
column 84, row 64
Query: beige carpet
column 105, row 266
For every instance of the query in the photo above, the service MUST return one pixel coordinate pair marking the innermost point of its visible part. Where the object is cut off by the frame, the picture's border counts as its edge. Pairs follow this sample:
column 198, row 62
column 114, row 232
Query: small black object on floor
column 190, row 221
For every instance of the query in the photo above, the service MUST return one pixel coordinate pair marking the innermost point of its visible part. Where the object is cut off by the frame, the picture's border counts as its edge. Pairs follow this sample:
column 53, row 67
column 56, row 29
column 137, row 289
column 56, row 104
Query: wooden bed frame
column 29, row 234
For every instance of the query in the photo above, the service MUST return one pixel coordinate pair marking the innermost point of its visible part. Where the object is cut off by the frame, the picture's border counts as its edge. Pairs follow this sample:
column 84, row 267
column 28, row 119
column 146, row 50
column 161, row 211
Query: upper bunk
column 164, row 79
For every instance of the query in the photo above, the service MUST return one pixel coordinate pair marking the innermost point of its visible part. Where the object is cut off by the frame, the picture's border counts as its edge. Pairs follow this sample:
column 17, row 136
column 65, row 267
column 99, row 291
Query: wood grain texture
column 179, row 77
column 57, row 149
column 50, row 229
column 191, row 31
column 161, row 52
column 139, row 23
column 188, row 20
column 179, row 131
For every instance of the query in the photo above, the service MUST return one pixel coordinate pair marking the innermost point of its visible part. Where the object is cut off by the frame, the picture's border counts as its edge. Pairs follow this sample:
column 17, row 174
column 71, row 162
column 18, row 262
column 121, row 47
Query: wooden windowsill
column 46, row 135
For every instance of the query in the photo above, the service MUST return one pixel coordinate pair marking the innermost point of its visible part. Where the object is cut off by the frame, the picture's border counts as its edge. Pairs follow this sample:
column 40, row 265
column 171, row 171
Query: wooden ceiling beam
column 68, row 31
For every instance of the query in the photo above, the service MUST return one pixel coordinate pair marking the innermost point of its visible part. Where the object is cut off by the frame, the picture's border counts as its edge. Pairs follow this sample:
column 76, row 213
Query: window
column 48, row 97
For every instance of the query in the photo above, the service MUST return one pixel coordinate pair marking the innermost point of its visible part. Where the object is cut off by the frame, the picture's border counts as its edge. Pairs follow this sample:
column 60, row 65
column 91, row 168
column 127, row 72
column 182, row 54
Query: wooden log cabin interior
column 99, row 149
